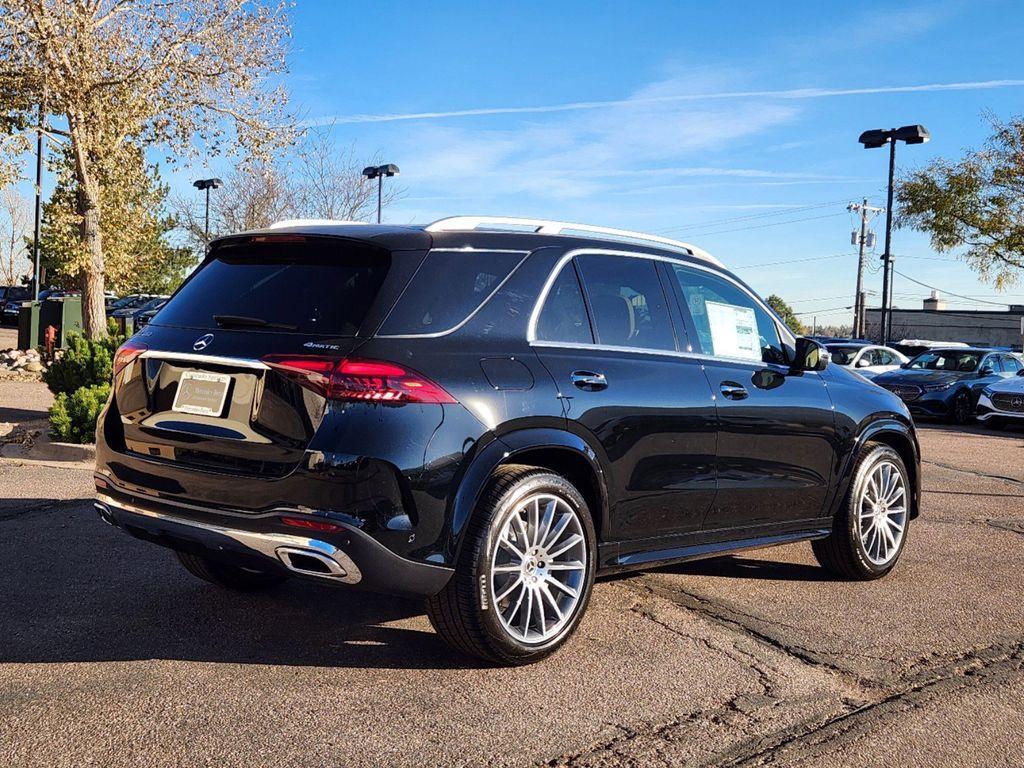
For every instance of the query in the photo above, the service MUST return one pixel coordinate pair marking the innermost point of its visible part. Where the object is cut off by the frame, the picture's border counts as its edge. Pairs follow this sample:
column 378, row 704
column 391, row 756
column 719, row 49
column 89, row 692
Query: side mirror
column 1020, row 372
column 986, row 371
column 810, row 356
column 863, row 363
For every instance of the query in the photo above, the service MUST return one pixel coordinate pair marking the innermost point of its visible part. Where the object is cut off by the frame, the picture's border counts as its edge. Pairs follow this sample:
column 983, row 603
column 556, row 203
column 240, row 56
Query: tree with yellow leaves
column 189, row 76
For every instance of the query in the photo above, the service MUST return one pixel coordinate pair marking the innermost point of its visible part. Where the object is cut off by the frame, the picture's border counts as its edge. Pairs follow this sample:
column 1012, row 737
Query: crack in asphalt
column 975, row 473
column 1015, row 526
column 737, row 654
column 923, row 683
column 993, row 665
column 811, row 737
column 735, row 621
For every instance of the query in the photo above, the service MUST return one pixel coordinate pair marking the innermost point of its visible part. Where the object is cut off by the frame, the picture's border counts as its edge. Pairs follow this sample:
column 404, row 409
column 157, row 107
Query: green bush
column 84, row 363
column 73, row 416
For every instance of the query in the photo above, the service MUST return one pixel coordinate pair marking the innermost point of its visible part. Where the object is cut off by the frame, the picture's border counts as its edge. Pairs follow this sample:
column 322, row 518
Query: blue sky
column 733, row 126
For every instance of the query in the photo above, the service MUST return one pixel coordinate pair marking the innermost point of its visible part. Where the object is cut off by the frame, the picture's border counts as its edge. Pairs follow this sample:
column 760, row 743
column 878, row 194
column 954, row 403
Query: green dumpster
column 63, row 313
column 28, row 325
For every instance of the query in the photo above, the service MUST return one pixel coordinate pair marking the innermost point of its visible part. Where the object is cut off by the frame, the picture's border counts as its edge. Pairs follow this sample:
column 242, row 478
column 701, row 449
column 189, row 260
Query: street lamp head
column 877, row 137
column 373, row 171
column 208, row 184
column 912, row 134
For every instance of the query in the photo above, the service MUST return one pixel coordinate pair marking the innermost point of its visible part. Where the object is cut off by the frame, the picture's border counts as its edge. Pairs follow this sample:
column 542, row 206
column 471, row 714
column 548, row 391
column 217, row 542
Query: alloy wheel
column 538, row 568
column 883, row 512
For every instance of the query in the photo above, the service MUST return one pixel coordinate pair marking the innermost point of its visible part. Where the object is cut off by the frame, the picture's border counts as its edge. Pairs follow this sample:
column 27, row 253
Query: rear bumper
column 345, row 556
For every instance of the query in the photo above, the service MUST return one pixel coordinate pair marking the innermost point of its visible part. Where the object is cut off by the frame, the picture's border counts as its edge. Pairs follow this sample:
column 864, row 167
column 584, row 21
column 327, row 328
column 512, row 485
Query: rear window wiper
column 242, row 321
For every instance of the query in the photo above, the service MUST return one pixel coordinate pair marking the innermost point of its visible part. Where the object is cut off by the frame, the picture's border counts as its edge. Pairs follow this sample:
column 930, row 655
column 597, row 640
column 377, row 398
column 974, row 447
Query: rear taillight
column 126, row 353
column 358, row 380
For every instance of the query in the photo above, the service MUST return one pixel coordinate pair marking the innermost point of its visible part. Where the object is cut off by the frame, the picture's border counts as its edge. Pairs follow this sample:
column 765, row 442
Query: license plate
column 201, row 393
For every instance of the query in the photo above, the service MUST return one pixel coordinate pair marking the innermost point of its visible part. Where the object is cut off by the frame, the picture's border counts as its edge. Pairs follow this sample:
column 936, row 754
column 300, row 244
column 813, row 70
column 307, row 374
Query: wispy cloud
column 575, row 106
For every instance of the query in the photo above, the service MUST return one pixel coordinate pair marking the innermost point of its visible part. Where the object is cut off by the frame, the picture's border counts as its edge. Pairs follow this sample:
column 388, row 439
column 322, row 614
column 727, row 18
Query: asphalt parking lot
column 110, row 654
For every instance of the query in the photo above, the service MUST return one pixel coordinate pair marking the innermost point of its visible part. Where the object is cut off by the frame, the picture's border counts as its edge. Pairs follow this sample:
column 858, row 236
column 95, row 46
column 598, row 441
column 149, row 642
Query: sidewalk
column 23, row 429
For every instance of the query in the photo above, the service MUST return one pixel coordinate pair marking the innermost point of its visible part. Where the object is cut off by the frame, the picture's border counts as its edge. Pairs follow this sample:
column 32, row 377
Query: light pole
column 873, row 139
column 378, row 172
column 207, row 184
column 39, row 200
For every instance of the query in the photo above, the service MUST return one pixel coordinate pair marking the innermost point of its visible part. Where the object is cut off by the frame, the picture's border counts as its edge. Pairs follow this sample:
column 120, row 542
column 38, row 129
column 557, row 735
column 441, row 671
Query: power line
column 958, row 295
column 731, row 219
column 823, row 298
column 765, row 226
column 789, row 261
column 824, row 311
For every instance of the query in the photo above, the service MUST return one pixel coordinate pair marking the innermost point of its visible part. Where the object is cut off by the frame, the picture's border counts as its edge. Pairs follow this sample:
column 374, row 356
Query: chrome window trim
column 785, row 335
column 761, row 364
column 471, row 315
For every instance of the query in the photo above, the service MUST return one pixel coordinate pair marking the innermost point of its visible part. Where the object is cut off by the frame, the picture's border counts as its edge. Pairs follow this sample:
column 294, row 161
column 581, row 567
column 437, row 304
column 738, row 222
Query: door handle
column 589, row 381
column 734, row 391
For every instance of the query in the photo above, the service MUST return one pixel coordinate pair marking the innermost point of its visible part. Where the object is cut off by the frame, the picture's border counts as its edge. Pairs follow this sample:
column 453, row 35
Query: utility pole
column 862, row 240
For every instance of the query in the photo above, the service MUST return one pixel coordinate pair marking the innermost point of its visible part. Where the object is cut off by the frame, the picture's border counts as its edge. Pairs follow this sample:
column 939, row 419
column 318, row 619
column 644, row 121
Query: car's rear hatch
column 201, row 386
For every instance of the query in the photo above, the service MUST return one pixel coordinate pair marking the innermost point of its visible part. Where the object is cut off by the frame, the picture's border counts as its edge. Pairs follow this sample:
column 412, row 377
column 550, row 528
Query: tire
column 851, row 552
column 228, row 575
column 961, row 409
column 513, row 629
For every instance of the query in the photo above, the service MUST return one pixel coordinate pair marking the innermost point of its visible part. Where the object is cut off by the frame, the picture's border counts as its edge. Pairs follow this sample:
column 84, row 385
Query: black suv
column 488, row 413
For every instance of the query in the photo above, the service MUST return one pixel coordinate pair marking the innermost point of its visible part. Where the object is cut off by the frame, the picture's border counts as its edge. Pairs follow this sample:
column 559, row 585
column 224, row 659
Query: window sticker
column 733, row 331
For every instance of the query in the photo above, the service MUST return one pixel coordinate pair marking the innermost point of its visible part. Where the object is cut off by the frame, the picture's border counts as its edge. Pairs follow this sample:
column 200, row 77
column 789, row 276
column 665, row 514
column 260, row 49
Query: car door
column 888, row 360
column 864, row 362
column 1011, row 366
column 879, row 360
column 776, row 441
column 612, row 348
column 990, row 370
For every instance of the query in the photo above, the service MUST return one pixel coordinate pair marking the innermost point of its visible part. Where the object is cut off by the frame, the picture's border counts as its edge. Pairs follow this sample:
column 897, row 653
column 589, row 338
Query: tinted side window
column 1011, row 364
column 448, row 287
column 564, row 315
column 627, row 301
column 729, row 323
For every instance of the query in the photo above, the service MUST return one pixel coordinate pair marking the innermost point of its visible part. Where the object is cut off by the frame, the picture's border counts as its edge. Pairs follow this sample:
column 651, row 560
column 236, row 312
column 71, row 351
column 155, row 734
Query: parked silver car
column 1003, row 401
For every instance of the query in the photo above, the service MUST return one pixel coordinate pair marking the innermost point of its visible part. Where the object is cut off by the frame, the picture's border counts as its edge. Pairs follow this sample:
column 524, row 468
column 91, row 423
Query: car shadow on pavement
column 76, row 590
column 751, row 568
column 20, row 415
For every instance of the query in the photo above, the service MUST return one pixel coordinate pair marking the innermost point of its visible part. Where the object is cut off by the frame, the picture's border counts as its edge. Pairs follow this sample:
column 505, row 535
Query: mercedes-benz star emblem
column 1017, row 402
column 202, row 342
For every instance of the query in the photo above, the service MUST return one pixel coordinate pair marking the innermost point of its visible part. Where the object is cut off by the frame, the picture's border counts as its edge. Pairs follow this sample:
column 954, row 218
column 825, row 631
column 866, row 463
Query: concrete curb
column 44, row 450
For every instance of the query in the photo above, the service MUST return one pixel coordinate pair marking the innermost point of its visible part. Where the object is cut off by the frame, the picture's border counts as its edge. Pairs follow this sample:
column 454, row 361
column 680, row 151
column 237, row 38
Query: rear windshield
column 449, row 287
column 323, row 286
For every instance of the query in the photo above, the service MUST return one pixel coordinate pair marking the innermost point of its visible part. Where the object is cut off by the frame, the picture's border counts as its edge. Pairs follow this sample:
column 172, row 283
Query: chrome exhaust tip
column 104, row 512
column 309, row 562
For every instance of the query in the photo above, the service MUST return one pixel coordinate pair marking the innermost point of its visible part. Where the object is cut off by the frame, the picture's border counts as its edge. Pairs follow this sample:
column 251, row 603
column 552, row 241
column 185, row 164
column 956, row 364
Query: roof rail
column 309, row 223
column 546, row 227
